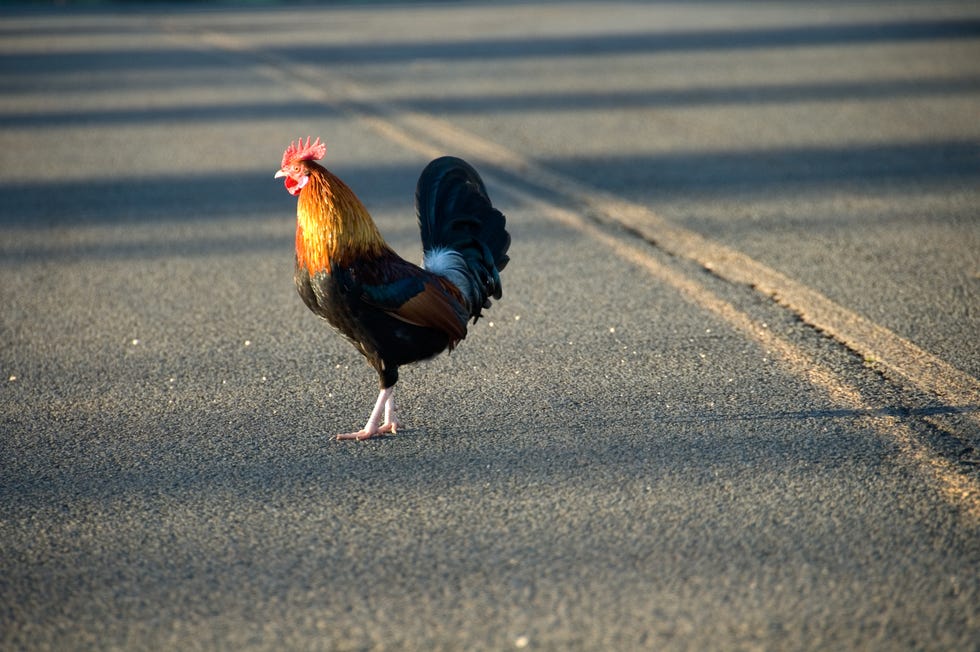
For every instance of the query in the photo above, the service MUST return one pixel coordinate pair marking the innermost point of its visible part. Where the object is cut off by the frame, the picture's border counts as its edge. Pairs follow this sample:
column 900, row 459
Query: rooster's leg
column 391, row 421
column 371, row 427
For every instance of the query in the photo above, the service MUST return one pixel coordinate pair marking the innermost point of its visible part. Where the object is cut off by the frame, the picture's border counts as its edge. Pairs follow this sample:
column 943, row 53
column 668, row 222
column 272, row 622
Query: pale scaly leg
column 391, row 421
column 371, row 427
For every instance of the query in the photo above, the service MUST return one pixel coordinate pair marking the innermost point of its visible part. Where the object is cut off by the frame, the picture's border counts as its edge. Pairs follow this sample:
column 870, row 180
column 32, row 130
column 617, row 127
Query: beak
column 279, row 174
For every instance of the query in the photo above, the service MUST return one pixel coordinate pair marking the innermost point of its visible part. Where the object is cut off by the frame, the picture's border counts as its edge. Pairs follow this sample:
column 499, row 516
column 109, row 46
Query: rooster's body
column 393, row 311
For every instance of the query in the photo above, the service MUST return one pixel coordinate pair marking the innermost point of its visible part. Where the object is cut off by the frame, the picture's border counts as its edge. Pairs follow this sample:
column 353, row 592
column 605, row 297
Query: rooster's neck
column 332, row 225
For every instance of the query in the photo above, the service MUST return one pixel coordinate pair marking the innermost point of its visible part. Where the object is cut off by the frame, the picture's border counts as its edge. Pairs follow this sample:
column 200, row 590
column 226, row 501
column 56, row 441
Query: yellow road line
column 954, row 486
column 431, row 137
column 909, row 362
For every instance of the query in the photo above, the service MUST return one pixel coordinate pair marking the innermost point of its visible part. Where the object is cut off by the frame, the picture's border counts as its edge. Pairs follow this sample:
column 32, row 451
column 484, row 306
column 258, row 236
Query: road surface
column 728, row 401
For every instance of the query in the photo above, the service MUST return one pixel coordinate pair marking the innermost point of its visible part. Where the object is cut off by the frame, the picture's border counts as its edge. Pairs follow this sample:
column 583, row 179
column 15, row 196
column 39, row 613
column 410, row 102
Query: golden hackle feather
column 333, row 227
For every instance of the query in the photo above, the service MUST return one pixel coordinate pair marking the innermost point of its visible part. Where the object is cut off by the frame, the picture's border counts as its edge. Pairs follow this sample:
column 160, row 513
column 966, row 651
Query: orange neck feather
column 332, row 225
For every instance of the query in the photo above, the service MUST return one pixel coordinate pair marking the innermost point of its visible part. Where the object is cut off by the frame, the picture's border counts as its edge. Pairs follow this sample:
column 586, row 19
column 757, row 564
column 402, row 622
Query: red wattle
column 295, row 185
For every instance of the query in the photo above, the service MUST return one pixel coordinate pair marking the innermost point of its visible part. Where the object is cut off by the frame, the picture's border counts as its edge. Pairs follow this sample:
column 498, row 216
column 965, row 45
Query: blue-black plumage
column 395, row 312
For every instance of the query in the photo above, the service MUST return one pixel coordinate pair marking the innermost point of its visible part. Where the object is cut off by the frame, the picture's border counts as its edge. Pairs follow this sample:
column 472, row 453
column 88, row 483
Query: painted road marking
column 431, row 136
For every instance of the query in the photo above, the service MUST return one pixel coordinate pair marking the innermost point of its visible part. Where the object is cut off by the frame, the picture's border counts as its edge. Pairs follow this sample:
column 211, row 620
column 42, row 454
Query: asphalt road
column 629, row 452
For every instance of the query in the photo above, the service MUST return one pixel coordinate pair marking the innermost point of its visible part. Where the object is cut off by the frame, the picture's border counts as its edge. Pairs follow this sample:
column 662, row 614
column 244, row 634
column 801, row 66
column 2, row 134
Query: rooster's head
column 294, row 160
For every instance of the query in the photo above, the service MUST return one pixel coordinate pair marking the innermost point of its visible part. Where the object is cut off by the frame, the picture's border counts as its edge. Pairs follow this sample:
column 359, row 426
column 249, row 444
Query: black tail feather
column 455, row 213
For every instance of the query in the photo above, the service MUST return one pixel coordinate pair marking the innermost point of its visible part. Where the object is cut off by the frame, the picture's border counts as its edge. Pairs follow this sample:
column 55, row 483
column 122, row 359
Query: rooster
column 392, row 311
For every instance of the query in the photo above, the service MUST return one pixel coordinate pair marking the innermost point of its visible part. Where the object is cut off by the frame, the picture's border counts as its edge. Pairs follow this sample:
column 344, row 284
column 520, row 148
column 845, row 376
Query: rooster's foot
column 360, row 435
column 389, row 428
column 385, row 403
column 382, row 430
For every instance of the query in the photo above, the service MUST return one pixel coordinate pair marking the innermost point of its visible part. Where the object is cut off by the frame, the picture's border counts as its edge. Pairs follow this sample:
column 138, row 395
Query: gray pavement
column 612, row 459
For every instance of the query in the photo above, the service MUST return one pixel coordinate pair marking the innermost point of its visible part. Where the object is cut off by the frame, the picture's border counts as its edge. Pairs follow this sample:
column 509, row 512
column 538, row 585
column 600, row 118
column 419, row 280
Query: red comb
column 297, row 151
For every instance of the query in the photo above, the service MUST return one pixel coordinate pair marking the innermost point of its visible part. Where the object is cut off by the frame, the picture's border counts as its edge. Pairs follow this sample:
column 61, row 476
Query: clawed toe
column 360, row 435
column 389, row 428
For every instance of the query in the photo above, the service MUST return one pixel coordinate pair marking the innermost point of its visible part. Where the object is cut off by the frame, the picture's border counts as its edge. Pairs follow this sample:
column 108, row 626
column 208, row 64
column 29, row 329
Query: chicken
column 393, row 311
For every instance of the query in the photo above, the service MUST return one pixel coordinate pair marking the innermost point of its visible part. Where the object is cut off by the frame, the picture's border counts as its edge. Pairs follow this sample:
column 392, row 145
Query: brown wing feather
column 433, row 308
